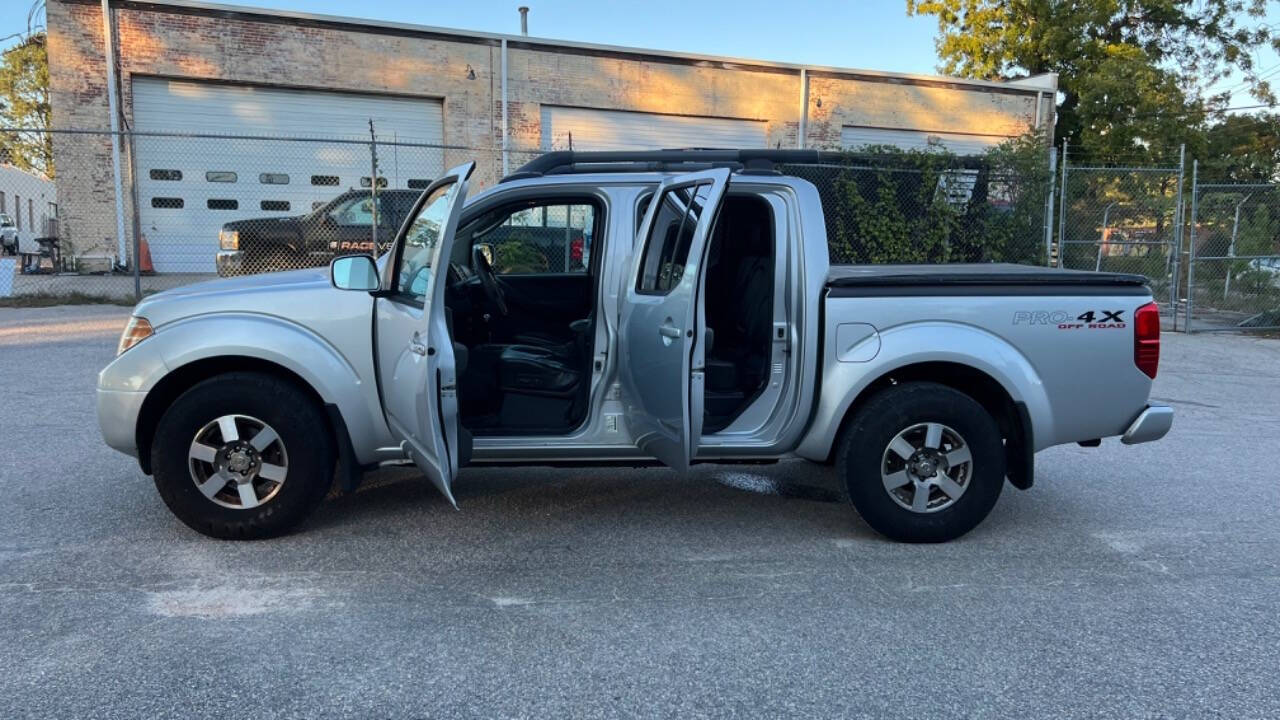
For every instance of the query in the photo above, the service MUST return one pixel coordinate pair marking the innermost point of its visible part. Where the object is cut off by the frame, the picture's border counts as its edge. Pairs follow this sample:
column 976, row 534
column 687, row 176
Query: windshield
column 5, row 219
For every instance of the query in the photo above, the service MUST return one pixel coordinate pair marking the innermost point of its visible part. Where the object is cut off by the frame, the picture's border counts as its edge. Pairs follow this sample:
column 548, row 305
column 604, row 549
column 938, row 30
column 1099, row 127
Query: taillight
column 1146, row 339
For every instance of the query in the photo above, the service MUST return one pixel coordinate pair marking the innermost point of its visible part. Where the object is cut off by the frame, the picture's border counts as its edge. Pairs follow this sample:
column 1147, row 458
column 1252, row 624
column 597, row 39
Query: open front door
column 417, row 371
column 663, row 348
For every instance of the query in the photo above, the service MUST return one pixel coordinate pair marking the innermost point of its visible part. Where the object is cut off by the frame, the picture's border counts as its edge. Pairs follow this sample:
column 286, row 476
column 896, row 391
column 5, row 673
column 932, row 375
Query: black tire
column 297, row 420
column 864, row 447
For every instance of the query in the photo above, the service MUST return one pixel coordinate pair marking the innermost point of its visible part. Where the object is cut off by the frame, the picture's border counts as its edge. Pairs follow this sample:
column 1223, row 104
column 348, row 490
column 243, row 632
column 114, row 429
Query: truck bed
column 977, row 279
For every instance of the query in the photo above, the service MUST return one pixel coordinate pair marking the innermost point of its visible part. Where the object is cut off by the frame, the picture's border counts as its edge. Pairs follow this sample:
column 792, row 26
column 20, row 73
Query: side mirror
column 354, row 272
column 486, row 250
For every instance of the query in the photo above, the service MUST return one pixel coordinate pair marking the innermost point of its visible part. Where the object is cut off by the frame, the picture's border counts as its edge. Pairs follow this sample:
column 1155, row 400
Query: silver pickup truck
column 696, row 319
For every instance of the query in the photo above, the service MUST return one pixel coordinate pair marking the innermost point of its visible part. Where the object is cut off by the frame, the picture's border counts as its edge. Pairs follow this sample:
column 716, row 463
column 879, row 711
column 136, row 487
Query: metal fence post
column 1048, row 206
column 1176, row 280
column 373, row 188
column 137, row 221
column 1191, row 247
column 1062, row 210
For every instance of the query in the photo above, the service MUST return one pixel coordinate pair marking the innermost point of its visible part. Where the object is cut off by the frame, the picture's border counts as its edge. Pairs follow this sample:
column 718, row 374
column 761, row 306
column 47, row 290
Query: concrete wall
column 465, row 72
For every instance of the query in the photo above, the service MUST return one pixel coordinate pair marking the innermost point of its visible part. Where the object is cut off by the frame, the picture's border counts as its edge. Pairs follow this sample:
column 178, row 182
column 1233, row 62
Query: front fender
column 905, row 345
column 332, row 375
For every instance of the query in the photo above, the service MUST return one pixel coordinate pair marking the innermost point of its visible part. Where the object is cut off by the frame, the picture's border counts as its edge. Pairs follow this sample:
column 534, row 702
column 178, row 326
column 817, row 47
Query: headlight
column 229, row 239
column 135, row 332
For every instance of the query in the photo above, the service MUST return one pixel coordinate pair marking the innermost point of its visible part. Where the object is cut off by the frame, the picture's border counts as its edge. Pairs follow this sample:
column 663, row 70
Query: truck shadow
column 586, row 495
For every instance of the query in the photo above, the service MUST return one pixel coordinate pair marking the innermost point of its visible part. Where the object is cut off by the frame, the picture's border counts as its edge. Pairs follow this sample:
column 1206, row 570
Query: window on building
column 2, row 207
column 165, row 174
column 365, row 182
column 324, row 179
column 226, row 176
column 274, row 205
column 222, row 204
column 274, row 179
column 418, row 183
column 166, row 203
column 17, row 209
column 31, row 214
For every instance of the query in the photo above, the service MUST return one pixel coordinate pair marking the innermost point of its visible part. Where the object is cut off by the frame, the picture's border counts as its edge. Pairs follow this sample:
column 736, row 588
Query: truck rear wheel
column 243, row 456
column 922, row 462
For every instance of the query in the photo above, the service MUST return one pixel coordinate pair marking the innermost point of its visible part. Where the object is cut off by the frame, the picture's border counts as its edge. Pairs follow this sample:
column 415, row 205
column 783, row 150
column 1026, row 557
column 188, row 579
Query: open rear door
column 417, row 370
column 663, row 348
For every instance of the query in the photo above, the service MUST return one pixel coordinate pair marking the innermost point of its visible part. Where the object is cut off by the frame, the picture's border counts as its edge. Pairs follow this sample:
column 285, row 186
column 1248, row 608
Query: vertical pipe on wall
column 113, row 107
column 804, row 108
column 505, row 145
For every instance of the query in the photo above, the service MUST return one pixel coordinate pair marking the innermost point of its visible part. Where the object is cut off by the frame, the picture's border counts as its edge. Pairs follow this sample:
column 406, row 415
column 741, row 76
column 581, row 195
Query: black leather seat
column 535, row 370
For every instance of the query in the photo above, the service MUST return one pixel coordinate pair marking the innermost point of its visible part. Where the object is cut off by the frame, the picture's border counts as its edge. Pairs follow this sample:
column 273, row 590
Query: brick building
column 436, row 97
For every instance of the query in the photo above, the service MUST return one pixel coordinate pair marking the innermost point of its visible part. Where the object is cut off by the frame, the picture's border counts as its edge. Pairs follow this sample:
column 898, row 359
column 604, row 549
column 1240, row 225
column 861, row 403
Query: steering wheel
column 488, row 280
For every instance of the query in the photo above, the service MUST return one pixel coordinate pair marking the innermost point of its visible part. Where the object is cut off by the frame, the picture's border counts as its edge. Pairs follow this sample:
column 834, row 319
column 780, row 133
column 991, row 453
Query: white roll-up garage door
column 189, row 186
column 855, row 137
column 565, row 128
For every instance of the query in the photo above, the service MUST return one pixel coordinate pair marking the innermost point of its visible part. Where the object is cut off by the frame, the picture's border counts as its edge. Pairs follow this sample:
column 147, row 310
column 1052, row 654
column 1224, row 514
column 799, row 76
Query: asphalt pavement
column 1129, row 582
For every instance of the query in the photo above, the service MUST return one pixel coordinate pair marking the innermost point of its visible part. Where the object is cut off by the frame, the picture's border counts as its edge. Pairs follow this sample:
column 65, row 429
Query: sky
column 865, row 34
column 869, row 34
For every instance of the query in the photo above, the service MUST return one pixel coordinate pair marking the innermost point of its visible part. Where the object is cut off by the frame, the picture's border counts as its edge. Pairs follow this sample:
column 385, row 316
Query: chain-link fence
column 199, row 206
column 1233, row 274
column 195, row 207
column 932, row 207
column 1122, row 219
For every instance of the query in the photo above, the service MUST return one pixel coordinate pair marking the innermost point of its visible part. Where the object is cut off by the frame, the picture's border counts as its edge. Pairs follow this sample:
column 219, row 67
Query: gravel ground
column 1130, row 582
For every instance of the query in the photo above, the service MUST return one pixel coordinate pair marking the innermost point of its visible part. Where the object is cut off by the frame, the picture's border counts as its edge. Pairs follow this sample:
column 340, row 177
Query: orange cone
column 144, row 256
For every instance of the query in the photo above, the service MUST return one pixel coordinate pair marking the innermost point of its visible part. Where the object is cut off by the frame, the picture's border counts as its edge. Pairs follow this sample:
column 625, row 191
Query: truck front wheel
column 242, row 456
column 922, row 462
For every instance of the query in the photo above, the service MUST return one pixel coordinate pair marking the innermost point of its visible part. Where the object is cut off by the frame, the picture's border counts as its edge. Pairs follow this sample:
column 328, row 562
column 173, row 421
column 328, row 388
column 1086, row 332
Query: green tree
column 1243, row 148
column 24, row 103
column 1132, row 74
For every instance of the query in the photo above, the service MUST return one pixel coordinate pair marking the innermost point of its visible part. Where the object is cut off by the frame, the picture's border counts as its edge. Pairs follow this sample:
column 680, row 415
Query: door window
column 358, row 211
column 667, row 250
column 537, row 239
column 413, row 267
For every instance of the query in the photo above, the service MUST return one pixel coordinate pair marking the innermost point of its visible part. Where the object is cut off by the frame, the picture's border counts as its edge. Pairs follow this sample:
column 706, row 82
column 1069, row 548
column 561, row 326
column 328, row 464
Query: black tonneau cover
column 977, row 279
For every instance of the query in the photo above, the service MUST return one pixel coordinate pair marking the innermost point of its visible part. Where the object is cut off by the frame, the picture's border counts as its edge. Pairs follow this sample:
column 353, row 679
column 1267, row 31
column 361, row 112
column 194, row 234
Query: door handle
column 669, row 331
column 416, row 346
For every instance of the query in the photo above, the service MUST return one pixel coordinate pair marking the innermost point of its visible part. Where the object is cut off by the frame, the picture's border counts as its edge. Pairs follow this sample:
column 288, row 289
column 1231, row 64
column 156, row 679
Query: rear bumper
column 1151, row 424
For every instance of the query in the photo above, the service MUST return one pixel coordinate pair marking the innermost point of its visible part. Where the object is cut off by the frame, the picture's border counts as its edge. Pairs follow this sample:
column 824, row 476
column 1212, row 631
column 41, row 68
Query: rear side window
column 667, row 248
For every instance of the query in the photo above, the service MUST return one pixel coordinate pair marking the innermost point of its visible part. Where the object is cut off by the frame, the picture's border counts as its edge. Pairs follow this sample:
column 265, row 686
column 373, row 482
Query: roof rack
column 562, row 162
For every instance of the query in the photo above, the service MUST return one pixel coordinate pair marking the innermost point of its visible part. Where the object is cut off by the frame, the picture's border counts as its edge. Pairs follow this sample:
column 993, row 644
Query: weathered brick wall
column 78, row 90
column 466, row 76
column 835, row 102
